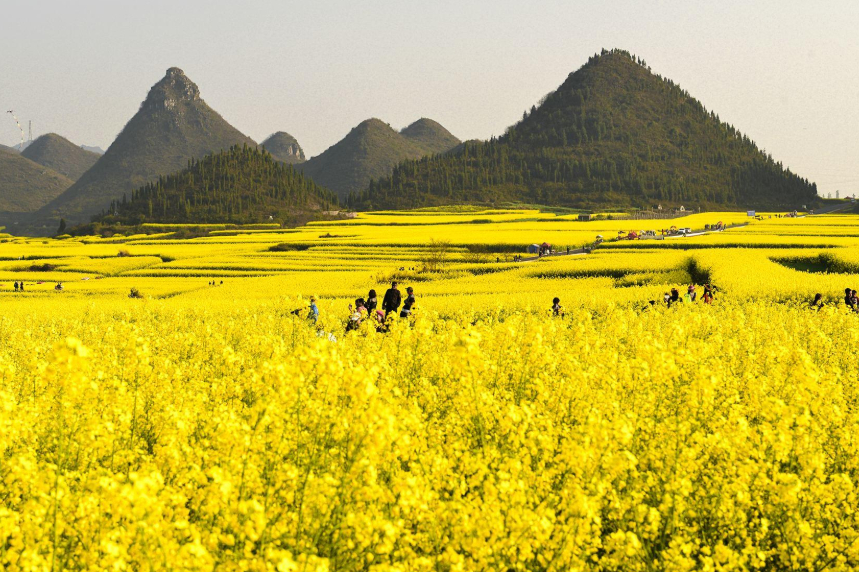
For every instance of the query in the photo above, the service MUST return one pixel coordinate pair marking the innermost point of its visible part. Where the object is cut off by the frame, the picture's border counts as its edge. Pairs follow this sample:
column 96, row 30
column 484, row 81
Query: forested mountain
column 26, row 186
column 240, row 185
column 284, row 147
column 612, row 135
column 172, row 126
column 61, row 155
column 371, row 150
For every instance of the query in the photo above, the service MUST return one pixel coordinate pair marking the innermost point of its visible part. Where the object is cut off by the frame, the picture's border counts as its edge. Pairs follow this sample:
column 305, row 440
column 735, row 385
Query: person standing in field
column 391, row 301
column 675, row 297
column 557, row 309
column 372, row 302
column 409, row 303
column 313, row 311
column 708, row 294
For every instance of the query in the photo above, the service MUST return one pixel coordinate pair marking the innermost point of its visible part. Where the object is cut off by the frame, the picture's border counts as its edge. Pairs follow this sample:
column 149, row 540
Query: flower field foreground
column 167, row 436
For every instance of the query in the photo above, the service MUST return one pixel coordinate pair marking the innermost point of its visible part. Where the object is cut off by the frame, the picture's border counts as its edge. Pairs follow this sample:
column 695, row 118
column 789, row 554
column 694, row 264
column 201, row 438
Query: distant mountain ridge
column 371, row 150
column 284, row 148
column 61, row 155
column 612, row 135
column 172, row 126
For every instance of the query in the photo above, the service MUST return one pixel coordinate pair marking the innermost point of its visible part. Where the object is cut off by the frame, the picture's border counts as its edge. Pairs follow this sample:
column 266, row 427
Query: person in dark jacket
column 371, row 302
column 391, row 301
column 675, row 297
column 409, row 303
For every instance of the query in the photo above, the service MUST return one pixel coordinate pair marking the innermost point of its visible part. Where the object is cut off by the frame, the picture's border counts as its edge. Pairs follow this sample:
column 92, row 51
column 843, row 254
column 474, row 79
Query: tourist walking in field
column 381, row 326
column 409, row 303
column 691, row 294
column 392, row 300
column 313, row 311
column 557, row 309
column 16, row 286
column 372, row 302
column 850, row 299
column 708, row 294
column 675, row 297
column 817, row 303
column 357, row 315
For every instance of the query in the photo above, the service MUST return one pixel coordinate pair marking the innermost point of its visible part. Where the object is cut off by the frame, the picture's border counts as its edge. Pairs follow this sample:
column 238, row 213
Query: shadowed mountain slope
column 371, row 150
column 61, row 155
column 26, row 186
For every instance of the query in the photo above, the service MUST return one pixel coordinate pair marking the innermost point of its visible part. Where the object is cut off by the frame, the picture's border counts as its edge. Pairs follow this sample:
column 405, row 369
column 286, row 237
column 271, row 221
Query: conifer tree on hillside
column 241, row 185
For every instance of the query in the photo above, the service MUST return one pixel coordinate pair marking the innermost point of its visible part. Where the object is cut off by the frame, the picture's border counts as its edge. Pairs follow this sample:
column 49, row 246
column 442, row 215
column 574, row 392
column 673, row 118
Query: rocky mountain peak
column 284, row 147
column 174, row 89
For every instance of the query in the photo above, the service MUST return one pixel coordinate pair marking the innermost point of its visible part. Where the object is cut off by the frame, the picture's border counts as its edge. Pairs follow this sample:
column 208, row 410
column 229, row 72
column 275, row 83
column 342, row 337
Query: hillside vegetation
column 26, row 186
column 240, row 185
column 61, row 155
column 371, row 150
column 613, row 134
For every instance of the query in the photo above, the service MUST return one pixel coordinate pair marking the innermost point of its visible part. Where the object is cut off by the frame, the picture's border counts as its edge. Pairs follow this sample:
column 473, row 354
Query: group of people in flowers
column 393, row 304
column 19, row 286
column 690, row 296
column 669, row 299
column 851, row 300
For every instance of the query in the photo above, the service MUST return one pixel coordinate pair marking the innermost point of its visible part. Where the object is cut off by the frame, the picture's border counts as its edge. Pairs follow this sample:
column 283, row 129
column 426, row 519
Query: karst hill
column 614, row 134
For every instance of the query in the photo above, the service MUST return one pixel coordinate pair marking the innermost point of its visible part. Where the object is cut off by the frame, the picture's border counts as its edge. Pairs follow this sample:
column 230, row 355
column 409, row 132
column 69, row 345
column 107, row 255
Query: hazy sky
column 784, row 72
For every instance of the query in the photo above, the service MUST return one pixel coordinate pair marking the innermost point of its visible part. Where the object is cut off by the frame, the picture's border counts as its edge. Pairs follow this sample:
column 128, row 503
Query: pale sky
column 784, row 72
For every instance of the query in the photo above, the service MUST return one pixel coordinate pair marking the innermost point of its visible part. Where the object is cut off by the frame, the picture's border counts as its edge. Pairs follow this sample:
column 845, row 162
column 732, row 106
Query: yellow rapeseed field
column 204, row 425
